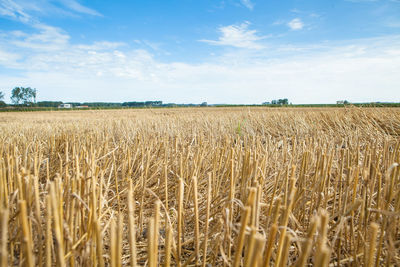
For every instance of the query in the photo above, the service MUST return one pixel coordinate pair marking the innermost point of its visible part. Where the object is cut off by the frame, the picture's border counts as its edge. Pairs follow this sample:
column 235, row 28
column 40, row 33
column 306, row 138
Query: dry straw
column 182, row 187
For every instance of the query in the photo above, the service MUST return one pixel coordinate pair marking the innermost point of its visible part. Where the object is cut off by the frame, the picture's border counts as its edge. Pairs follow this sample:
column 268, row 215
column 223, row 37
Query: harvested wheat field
column 200, row 187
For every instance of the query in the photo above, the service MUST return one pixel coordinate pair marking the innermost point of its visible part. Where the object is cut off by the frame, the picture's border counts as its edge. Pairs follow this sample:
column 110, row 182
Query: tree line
column 25, row 96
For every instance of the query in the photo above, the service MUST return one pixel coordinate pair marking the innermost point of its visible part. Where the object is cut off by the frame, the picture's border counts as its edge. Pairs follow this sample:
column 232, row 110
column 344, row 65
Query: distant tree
column 284, row 101
column 204, row 104
column 281, row 102
column 23, row 95
column 2, row 103
column 16, row 95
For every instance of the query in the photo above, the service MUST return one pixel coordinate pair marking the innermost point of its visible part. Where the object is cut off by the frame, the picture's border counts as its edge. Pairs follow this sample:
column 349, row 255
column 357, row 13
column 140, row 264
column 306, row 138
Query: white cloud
column 75, row 6
column 22, row 10
column 47, row 38
column 8, row 59
column 296, row 24
column 103, row 45
column 238, row 36
column 358, row 70
column 12, row 9
column 248, row 4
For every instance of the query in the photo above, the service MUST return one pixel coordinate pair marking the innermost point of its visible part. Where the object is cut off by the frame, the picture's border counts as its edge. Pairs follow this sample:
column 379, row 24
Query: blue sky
column 190, row 51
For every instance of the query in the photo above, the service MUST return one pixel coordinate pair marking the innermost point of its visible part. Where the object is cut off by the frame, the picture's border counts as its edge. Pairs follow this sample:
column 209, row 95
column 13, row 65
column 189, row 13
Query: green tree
column 2, row 104
column 23, row 95
column 284, row 101
column 281, row 102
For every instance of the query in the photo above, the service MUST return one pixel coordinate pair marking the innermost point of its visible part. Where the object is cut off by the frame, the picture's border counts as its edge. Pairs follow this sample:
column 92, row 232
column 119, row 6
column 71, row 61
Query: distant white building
column 65, row 106
column 340, row 102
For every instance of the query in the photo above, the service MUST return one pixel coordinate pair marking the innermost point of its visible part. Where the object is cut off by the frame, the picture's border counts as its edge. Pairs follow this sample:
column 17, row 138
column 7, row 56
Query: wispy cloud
column 248, row 4
column 12, row 9
column 46, row 38
column 77, row 7
column 239, row 36
column 23, row 10
column 296, row 24
column 103, row 45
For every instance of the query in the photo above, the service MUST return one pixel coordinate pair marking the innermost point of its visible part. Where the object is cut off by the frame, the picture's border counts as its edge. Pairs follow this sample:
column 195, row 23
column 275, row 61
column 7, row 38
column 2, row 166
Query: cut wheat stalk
column 79, row 176
column 4, row 237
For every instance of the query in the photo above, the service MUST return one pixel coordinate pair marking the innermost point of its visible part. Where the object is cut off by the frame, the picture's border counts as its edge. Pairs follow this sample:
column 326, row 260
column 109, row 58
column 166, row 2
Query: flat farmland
column 200, row 187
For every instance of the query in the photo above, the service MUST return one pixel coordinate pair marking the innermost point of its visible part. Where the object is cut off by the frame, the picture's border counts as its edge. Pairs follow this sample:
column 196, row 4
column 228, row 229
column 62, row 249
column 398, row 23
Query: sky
column 194, row 51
